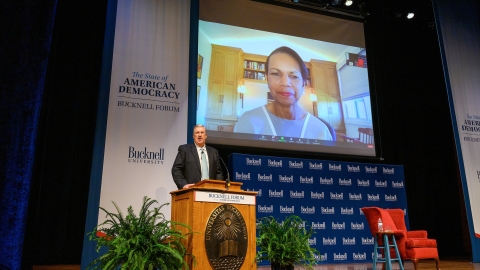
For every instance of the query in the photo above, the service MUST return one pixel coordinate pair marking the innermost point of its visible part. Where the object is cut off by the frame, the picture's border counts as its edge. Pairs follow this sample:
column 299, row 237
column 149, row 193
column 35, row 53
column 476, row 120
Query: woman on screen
column 287, row 76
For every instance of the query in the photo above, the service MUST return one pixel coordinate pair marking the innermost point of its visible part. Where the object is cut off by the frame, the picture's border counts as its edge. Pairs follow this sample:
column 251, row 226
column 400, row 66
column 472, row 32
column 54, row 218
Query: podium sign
column 221, row 197
column 223, row 224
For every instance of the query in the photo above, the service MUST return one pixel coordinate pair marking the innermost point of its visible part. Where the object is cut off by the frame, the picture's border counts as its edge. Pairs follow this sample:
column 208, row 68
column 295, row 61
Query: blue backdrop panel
column 328, row 195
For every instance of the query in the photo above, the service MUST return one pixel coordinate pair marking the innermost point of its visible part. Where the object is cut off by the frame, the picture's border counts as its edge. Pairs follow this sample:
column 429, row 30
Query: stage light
column 410, row 15
column 348, row 3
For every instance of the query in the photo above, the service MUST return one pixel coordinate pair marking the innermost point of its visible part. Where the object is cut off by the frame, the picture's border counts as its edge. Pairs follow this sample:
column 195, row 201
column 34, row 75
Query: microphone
column 227, row 181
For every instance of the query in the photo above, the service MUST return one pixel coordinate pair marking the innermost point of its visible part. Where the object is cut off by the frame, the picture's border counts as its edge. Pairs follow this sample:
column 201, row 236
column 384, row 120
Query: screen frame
column 327, row 149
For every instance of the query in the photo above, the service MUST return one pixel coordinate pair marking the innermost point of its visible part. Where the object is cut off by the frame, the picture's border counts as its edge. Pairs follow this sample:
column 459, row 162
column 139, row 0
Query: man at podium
column 196, row 161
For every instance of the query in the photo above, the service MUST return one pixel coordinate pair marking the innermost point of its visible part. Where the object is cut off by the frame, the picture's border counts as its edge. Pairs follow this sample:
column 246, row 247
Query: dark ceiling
column 362, row 10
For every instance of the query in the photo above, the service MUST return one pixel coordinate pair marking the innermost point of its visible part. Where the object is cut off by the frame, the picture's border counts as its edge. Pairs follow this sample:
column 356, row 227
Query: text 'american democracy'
column 148, row 88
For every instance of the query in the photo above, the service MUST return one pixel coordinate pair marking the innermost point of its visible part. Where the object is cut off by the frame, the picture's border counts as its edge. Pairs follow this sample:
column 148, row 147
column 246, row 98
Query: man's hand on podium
column 188, row 185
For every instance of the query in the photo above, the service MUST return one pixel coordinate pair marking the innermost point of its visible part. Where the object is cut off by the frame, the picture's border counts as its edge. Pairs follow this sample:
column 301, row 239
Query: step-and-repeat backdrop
column 327, row 195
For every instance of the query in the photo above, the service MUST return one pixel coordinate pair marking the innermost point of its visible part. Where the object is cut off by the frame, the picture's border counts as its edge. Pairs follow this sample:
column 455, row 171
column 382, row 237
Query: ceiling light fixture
column 348, row 3
column 410, row 15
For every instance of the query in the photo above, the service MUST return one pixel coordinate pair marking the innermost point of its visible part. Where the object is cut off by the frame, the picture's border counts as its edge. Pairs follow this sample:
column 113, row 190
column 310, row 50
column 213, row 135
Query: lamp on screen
column 314, row 100
column 241, row 89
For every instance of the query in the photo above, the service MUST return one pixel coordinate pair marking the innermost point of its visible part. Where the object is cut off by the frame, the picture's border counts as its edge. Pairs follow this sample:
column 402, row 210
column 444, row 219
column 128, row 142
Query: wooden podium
column 215, row 216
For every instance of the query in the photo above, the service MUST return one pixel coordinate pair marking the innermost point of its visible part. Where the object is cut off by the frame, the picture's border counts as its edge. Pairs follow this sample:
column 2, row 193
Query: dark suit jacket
column 186, row 168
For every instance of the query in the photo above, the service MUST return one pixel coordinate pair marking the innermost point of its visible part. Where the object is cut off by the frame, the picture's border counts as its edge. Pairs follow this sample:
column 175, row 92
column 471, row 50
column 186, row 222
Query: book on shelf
column 256, row 75
column 253, row 65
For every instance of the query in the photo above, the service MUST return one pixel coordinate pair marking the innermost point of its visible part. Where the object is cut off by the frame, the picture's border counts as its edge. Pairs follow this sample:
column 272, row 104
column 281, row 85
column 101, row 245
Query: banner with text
column 459, row 33
column 327, row 195
column 147, row 111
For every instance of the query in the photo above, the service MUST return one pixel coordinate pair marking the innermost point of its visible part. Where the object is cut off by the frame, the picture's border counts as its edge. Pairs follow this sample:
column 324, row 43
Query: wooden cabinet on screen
column 225, row 68
column 325, row 85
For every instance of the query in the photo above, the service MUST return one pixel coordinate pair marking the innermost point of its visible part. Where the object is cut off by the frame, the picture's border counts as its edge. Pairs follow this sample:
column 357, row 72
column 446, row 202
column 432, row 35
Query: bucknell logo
column 275, row 194
column 315, row 166
column 333, row 167
column 355, row 197
column 388, row 171
column 326, row 181
column 346, row 211
column 306, row 180
column 363, row 183
column 320, row 258
column 285, row 178
column 259, row 192
column 370, row 169
column 295, row 165
column 397, row 184
column 348, row 241
column 367, row 241
column 254, row 162
column 360, row 256
column 316, row 195
column 265, row 178
column 312, row 242
column 146, row 157
column 340, row 256
column 296, row 194
column 329, row 241
column 344, row 182
column 338, row 226
column 300, row 226
column 318, row 226
column 336, row 196
column 328, row 211
column 373, row 197
column 357, row 226
column 242, row 176
column 381, row 184
column 379, row 255
column 390, row 198
column 274, row 163
column 287, row 210
column 353, row 168
column 265, row 209
column 307, row 210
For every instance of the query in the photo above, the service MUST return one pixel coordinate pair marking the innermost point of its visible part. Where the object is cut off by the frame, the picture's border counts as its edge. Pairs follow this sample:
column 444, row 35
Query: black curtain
column 57, row 211
column 26, row 28
column 415, row 125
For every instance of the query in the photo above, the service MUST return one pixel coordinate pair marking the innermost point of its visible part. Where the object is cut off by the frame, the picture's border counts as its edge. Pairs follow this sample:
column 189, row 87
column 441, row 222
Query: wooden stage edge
column 423, row 265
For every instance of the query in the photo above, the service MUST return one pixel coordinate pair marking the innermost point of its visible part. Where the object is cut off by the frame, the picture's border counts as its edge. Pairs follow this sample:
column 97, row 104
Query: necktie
column 204, row 165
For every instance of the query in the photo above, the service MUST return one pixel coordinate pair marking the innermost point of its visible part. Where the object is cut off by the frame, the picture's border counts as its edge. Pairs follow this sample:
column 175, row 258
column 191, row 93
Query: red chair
column 412, row 245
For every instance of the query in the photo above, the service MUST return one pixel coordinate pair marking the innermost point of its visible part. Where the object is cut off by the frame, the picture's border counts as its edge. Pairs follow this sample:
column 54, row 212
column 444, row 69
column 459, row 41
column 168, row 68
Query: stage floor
column 423, row 265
